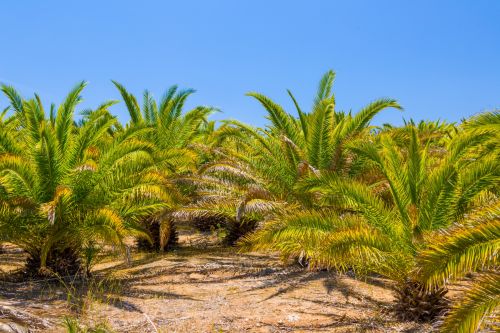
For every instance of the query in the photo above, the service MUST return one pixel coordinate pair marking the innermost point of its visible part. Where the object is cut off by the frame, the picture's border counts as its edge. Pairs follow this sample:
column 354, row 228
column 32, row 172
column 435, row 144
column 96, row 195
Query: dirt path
column 212, row 291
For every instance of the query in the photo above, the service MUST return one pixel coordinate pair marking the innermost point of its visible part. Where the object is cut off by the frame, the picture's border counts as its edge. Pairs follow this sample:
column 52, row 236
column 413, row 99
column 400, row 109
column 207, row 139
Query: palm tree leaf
column 471, row 313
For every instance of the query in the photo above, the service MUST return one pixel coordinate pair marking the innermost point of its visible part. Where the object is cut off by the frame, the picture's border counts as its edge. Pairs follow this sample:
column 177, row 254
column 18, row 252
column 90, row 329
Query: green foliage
column 73, row 326
column 326, row 238
column 66, row 187
column 416, row 195
column 171, row 134
column 292, row 149
column 171, row 128
column 481, row 300
column 471, row 246
column 463, row 248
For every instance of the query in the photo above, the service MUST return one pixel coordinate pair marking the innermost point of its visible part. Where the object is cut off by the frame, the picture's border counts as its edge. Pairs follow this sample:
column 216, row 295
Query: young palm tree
column 64, row 191
column 269, row 163
column 380, row 227
column 470, row 246
column 252, row 172
column 172, row 133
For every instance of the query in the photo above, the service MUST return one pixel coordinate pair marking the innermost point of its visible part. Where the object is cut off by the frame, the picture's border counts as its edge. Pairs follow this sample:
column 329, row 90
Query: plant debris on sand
column 204, row 290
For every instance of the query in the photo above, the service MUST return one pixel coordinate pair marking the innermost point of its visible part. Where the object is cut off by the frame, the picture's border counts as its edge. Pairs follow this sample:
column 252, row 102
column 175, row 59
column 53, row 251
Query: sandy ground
column 204, row 290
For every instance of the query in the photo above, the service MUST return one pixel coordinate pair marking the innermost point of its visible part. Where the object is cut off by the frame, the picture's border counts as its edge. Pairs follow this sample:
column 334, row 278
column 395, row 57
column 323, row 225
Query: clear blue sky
column 439, row 59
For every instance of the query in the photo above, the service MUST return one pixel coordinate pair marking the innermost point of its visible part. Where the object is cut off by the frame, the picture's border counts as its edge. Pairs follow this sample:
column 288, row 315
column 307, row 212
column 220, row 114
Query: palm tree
column 469, row 246
column 381, row 226
column 64, row 189
column 172, row 133
column 256, row 170
column 250, row 172
column 295, row 147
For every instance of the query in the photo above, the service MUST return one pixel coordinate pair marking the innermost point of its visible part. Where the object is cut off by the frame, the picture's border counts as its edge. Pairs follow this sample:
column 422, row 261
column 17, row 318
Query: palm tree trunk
column 416, row 303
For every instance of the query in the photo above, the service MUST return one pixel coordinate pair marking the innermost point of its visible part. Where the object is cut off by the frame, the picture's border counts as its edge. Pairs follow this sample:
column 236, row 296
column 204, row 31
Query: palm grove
column 418, row 204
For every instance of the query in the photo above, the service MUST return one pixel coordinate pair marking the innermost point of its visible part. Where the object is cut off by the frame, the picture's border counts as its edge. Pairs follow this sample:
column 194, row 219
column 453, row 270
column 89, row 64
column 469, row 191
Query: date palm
column 172, row 134
column 64, row 190
column 254, row 171
column 434, row 133
column 295, row 147
column 380, row 227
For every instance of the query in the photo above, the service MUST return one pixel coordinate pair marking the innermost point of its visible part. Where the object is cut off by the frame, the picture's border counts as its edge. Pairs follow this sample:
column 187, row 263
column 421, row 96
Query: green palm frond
column 473, row 180
column 479, row 308
column 64, row 118
column 302, row 115
column 131, row 103
column 486, row 121
column 319, row 149
column 149, row 108
column 172, row 110
column 16, row 101
column 325, row 88
column 464, row 248
column 281, row 120
column 8, row 142
column 325, row 238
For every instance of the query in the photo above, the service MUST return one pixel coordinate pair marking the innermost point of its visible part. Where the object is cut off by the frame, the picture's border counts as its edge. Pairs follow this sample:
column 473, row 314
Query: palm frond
column 471, row 313
column 131, row 103
column 464, row 248
column 64, row 118
column 324, row 88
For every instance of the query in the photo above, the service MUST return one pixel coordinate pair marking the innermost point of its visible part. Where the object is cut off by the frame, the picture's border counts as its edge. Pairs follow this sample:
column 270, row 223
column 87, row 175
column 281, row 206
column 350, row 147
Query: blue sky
column 439, row 59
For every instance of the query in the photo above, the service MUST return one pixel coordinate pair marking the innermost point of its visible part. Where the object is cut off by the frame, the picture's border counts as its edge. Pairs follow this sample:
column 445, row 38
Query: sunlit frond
column 479, row 309
column 465, row 248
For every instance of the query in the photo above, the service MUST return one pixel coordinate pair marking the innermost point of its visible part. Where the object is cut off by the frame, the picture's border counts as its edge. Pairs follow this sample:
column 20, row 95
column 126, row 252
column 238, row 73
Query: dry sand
column 204, row 289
